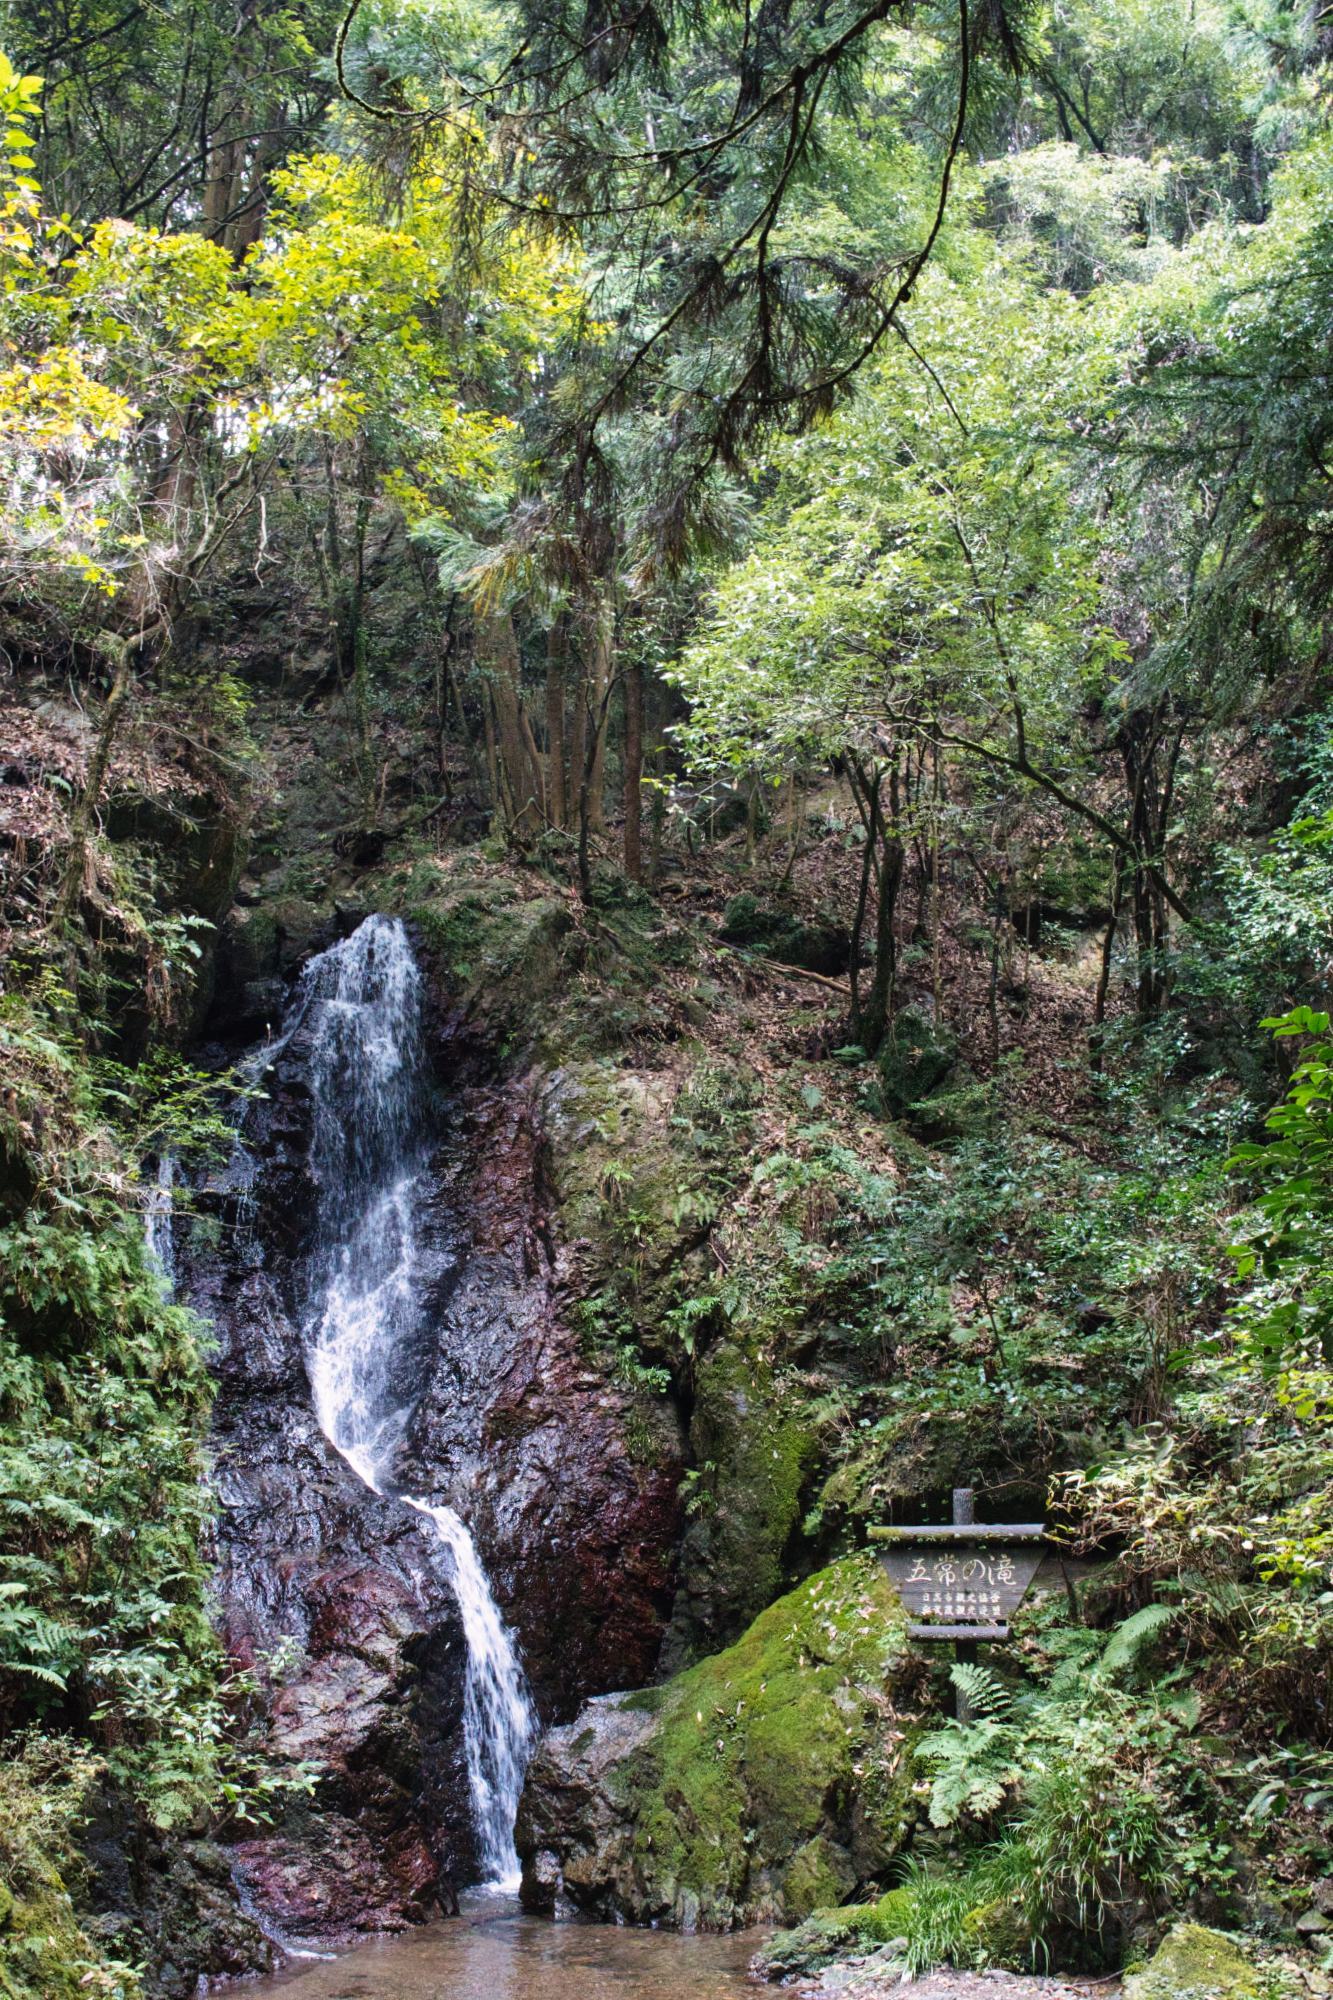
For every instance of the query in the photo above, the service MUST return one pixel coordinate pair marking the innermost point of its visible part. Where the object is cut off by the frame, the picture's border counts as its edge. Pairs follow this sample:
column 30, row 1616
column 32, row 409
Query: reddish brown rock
column 527, row 1440
column 514, row 1428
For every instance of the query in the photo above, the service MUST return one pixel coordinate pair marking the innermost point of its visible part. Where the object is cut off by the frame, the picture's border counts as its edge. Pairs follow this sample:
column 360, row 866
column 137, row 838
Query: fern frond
column 984, row 1692
column 1130, row 1638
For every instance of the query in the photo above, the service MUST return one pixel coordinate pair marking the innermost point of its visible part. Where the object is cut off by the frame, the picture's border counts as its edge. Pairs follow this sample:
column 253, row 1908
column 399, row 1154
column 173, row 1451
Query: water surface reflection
column 492, row 1951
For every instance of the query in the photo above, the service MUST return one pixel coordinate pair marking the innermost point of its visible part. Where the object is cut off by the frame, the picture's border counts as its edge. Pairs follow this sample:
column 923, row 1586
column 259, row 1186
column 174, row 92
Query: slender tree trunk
column 1098, row 1035
column 879, row 1007
column 492, row 757
column 858, row 925
column 600, row 682
column 360, row 662
column 557, row 641
column 659, row 815
column 520, row 776
column 530, row 745
column 578, row 745
column 993, row 996
column 585, row 808
column 1140, row 738
column 937, row 984
column 795, row 816
column 634, row 773
column 595, row 737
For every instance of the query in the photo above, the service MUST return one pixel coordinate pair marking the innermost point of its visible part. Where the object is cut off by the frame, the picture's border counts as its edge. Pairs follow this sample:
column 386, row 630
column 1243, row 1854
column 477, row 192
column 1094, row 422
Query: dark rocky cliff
column 342, row 1597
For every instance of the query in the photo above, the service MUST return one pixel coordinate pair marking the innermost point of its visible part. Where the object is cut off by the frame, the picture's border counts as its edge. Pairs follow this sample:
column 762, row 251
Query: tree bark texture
column 557, row 646
column 498, row 649
column 634, row 773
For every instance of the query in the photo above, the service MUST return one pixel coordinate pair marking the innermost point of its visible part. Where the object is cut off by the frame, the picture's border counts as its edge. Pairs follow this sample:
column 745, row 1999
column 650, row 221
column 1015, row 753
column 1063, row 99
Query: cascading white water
column 157, row 1222
column 359, row 1010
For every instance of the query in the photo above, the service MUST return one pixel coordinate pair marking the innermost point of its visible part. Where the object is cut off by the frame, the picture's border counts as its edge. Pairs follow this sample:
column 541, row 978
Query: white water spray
column 157, row 1222
column 358, row 1009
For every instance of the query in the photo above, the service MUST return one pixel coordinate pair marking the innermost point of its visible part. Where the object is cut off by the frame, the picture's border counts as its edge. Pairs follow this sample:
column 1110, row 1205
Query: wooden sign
column 962, row 1582
column 968, row 1582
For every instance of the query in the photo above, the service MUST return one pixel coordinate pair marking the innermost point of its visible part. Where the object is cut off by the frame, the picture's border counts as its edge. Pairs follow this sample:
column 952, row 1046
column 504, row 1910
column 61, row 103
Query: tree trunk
column 880, row 1003
column 1098, row 1036
column 634, row 773
column 578, row 746
column 659, row 815
column 601, row 677
column 869, row 817
column 557, row 640
column 520, row 776
column 595, row 738
column 936, row 981
column 1141, row 739
column 530, row 745
column 492, row 756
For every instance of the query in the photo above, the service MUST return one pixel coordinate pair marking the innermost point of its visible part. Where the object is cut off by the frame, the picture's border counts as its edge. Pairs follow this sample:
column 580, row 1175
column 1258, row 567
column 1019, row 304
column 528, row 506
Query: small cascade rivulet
column 158, row 1220
column 355, row 1020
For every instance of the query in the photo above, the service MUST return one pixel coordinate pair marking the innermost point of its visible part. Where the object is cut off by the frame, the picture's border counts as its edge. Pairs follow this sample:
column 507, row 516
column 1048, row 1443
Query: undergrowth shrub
column 105, row 1631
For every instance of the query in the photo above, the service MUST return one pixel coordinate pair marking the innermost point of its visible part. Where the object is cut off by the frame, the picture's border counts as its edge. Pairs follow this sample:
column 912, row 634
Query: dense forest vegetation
column 833, row 508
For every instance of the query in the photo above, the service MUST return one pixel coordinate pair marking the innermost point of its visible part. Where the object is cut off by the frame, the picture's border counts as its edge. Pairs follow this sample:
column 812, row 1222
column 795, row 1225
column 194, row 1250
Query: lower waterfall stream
column 356, row 1018
column 492, row 1951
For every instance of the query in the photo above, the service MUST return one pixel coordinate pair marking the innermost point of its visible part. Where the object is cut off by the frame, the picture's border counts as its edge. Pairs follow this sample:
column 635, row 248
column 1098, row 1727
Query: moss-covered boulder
column 827, row 1937
column 765, row 1782
column 761, row 1450
column 914, row 1060
column 1194, row 1963
column 822, row 946
column 46, row 1952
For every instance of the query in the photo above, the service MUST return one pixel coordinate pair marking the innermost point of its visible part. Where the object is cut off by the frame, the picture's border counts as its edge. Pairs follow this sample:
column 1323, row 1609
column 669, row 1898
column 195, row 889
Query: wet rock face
column 765, row 1782
column 347, row 1595
column 171, row 1906
column 528, row 1442
column 343, row 1598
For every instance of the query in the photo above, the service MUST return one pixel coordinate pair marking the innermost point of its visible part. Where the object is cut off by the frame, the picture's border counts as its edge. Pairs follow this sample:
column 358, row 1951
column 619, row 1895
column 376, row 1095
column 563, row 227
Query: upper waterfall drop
column 357, row 1018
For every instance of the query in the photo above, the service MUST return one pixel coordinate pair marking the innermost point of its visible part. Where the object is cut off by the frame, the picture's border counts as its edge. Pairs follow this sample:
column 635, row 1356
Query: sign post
column 962, row 1582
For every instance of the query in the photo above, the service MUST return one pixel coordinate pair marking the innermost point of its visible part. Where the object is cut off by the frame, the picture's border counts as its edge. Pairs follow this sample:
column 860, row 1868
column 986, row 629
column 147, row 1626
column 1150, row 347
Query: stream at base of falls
column 492, row 1951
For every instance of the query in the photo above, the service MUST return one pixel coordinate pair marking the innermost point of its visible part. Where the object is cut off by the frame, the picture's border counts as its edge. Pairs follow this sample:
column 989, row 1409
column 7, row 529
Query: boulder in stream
column 766, row 1781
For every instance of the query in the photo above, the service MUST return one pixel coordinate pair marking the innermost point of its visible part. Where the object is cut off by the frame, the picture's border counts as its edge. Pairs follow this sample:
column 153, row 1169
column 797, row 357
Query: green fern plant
column 1133, row 1637
column 976, row 1760
column 30, row 1642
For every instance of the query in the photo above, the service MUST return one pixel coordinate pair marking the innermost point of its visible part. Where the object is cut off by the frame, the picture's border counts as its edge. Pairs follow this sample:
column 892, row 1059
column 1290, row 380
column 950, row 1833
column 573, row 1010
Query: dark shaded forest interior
column 772, row 568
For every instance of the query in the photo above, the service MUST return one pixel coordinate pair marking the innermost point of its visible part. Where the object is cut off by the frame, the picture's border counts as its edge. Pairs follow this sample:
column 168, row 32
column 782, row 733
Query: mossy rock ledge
column 1194, row 1963
column 767, row 1781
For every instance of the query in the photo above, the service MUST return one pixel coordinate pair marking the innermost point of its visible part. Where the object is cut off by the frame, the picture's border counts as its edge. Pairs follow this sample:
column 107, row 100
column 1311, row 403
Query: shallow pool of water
column 492, row 1951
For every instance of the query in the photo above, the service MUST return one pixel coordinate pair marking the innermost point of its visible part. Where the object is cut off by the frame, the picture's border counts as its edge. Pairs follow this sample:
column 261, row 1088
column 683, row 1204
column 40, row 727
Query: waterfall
column 157, row 1222
column 356, row 1018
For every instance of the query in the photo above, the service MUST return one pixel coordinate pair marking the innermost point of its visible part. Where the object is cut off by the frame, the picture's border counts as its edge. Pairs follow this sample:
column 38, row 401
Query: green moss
column 763, row 1452
column 1000, row 1933
column 817, row 1874
column 646, row 1702
column 498, row 950
column 889, row 1917
column 830, row 1934
column 44, row 1955
column 1194, row 1963
column 746, row 1799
